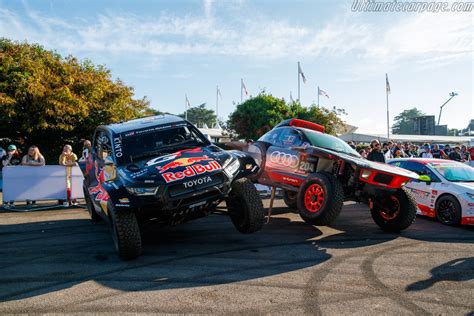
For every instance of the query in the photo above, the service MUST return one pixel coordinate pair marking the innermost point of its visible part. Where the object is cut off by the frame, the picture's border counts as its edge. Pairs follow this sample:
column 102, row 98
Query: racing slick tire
column 396, row 212
column 245, row 207
column 290, row 199
column 125, row 233
column 320, row 199
column 448, row 210
column 95, row 218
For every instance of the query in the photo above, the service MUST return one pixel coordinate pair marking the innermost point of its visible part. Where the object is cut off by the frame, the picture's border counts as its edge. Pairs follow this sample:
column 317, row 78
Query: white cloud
column 432, row 39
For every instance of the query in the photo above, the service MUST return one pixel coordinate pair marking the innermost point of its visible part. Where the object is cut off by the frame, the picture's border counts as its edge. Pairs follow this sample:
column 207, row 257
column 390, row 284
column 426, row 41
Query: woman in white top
column 33, row 158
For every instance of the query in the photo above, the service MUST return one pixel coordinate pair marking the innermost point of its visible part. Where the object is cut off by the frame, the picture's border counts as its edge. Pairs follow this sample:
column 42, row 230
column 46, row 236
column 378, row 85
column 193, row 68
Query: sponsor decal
column 248, row 166
column 122, row 205
column 291, row 180
column 191, row 171
column 139, row 173
column 284, row 159
column 118, row 147
column 124, row 200
column 191, row 183
column 419, row 193
column 149, row 181
column 182, row 162
column 434, row 192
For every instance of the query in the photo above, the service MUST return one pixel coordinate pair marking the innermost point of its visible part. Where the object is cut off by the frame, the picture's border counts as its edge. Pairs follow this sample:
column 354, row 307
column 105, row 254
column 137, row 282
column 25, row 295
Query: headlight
column 232, row 168
column 142, row 191
column 365, row 174
column 471, row 195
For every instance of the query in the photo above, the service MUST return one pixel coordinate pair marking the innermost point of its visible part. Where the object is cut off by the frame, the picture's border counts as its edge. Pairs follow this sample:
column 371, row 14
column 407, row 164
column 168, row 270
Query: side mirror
column 425, row 178
column 110, row 171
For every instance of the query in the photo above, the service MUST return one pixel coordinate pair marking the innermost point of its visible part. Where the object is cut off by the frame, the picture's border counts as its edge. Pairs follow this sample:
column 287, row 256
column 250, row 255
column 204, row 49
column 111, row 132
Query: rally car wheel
column 448, row 210
column 395, row 212
column 126, row 233
column 290, row 198
column 245, row 206
column 90, row 208
column 320, row 199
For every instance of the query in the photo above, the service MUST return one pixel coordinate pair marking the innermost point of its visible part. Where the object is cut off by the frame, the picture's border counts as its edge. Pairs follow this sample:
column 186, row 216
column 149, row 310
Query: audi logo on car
column 284, row 159
column 191, row 183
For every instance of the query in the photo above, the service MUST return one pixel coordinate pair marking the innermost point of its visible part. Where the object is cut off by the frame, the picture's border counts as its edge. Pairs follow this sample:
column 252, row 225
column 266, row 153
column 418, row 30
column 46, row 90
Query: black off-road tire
column 454, row 215
column 403, row 219
column 126, row 233
column 290, row 198
column 245, row 207
column 331, row 203
column 95, row 218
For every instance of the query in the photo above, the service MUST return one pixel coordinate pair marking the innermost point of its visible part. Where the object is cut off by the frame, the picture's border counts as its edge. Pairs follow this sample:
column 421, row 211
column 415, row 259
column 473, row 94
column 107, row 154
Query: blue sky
column 165, row 49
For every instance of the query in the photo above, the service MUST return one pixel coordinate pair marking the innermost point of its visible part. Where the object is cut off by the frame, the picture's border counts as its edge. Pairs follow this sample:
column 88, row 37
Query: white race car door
column 424, row 192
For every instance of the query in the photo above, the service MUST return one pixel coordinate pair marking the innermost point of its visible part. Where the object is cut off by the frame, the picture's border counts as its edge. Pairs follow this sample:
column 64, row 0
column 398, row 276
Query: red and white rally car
column 449, row 193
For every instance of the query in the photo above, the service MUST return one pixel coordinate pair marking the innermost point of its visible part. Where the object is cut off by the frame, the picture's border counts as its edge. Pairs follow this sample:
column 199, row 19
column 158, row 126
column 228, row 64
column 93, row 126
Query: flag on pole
column 219, row 92
column 387, row 84
column 245, row 88
column 300, row 71
column 188, row 105
column 323, row 93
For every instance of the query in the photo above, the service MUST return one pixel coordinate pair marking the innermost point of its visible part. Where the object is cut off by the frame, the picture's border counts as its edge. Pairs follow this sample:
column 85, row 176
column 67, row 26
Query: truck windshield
column 328, row 142
column 159, row 140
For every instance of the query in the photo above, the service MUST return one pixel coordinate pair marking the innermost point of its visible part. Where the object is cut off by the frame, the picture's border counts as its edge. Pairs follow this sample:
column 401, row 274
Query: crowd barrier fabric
column 22, row 183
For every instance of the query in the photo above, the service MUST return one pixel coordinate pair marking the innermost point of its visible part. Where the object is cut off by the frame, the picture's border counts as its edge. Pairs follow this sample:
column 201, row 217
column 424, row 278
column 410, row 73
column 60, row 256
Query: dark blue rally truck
column 163, row 170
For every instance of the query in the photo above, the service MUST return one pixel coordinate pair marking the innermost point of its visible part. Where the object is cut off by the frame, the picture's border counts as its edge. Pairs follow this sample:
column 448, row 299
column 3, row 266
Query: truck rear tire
column 126, row 234
column 245, row 207
column 320, row 199
column 395, row 212
column 90, row 207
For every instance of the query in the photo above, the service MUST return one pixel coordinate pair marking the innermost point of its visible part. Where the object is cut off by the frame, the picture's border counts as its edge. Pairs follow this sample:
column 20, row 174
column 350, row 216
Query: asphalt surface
column 59, row 262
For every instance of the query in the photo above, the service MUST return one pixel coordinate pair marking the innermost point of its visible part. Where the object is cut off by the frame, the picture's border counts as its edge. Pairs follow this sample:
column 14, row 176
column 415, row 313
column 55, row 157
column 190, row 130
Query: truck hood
column 177, row 166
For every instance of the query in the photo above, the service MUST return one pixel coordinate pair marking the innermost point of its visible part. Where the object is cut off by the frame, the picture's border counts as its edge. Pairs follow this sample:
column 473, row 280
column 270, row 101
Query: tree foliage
column 259, row 114
column 52, row 100
column 199, row 116
column 403, row 122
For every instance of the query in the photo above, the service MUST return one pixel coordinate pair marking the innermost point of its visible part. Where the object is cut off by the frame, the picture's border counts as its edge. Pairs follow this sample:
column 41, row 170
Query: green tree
column 52, row 100
column 259, row 114
column 403, row 122
column 199, row 116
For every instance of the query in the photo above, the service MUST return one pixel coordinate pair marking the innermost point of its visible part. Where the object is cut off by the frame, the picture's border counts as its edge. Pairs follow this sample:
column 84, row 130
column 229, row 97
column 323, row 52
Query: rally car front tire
column 125, row 233
column 245, row 207
column 320, row 199
column 395, row 212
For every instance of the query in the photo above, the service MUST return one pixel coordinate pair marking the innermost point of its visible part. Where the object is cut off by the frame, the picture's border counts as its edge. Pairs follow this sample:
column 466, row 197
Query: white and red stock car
column 449, row 195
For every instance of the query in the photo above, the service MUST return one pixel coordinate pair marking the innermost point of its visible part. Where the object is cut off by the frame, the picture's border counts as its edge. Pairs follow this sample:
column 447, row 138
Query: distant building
column 424, row 125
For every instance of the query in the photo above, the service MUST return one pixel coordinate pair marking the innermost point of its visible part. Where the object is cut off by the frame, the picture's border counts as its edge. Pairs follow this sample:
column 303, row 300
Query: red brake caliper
column 390, row 212
column 314, row 198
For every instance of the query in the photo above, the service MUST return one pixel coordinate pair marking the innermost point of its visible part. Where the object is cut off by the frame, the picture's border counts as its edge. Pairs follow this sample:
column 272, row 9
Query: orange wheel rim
column 390, row 212
column 314, row 198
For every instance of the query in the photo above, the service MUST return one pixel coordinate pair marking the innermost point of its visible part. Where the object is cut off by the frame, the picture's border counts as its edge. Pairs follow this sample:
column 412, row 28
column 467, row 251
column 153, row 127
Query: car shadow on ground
column 458, row 270
column 41, row 257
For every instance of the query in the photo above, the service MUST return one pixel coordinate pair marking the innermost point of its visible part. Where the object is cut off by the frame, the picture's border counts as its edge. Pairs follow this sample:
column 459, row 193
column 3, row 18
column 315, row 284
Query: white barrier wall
column 21, row 183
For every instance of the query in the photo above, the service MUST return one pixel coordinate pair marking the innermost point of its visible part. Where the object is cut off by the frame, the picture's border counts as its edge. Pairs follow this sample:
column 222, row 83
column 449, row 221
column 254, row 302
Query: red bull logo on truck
column 192, row 169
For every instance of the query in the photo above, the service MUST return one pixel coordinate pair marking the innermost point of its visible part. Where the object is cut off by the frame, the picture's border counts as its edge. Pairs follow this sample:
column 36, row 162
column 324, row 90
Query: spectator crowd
column 389, row 150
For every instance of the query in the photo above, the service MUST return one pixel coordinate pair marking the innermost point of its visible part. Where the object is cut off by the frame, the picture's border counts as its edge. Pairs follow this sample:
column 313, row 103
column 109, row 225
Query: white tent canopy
column 434, row 139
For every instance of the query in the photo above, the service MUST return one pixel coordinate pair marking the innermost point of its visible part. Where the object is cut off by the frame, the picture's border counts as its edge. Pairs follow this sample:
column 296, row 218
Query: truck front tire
column 126, row 233
column 245, row 207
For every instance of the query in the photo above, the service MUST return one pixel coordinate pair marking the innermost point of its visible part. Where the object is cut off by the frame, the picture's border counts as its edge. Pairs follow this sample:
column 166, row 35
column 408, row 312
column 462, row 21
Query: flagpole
column 318, row 96
column 388, row 118
column 299, row 82
column 217, row 101
column 241, row 88
column 186, row 106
